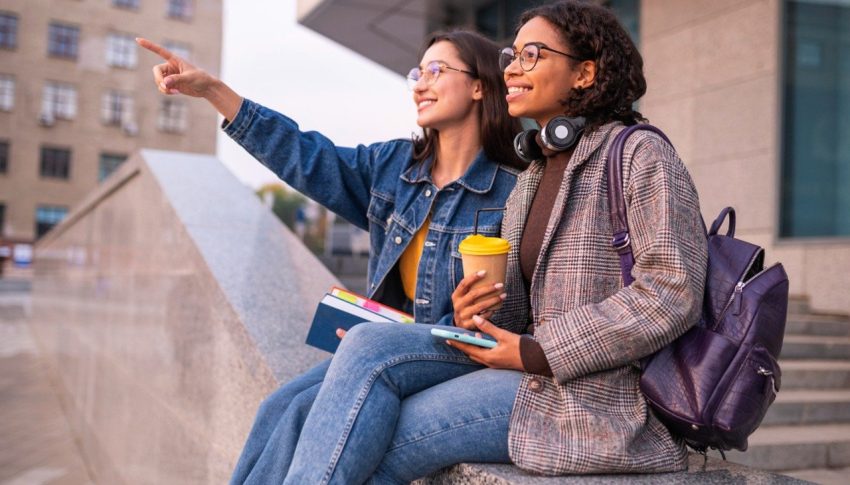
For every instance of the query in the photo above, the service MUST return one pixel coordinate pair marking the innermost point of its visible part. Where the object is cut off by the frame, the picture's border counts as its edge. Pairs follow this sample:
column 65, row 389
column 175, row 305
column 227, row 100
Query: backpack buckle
column 621, row 241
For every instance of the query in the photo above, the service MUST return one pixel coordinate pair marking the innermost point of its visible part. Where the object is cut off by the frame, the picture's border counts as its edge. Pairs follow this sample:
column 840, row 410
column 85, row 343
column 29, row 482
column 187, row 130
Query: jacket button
column 536, row 385
column 398, row 239
column 389, row 220
column 428, row 193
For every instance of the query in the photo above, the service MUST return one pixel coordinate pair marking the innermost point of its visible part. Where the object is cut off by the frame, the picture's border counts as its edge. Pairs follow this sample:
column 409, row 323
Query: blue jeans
column 271, row 443
column 397, row 404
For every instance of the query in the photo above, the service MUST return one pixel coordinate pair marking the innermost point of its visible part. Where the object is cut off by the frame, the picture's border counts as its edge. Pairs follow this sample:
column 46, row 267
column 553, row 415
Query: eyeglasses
column 528, row 56
column 430, row 74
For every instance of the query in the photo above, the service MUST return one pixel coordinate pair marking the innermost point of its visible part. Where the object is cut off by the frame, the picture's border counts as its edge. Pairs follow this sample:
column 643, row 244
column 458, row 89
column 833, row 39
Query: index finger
column 155, row 48
column 467, row 281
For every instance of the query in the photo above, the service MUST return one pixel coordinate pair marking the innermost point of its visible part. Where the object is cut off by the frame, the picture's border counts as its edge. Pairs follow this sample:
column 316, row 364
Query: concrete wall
column 714, row 70
column 171, row 303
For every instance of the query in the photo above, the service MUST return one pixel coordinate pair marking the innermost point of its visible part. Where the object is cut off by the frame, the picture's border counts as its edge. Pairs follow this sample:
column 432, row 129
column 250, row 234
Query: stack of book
column 343, row 309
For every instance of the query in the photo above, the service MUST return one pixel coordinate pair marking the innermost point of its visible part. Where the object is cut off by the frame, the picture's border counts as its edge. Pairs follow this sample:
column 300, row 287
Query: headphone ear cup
column 526, row 147
column 561, row 133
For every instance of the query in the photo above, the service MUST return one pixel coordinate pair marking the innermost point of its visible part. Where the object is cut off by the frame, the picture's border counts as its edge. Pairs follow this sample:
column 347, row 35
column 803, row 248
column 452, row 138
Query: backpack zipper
column 739, row 288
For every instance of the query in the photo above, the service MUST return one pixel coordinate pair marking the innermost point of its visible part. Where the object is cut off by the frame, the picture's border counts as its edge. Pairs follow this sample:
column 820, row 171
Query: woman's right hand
column 177, row 76
column 468, row 302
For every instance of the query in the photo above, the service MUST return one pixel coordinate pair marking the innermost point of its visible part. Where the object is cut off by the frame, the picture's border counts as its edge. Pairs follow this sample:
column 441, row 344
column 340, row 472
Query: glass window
column 173, row 115
column 121, row 50
column 8, row 30
column 180, row 9
column 55, row 163
column 4, row 156
column 117, row 108
column 59, row 101
column 133, row 4
column 47, row 216
column 498, row 19
column 7, row 92
column 815, row 181
column 180, row 49
column 628, row 13
column 109, row 162
column 63, row 40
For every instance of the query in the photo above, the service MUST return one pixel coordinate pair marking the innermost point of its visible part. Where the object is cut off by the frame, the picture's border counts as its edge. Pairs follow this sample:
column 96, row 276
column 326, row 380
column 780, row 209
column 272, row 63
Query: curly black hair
column 592, row 32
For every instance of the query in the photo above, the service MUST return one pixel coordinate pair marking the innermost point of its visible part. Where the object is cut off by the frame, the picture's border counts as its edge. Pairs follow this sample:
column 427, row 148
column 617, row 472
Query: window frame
column 126, row 4
column 173, row 116
column 57, row 43
column 180, row 9
column 59, row 99
column 57, row 214
column 5, row 148
column 50, row 168
column 121, row 50
column 11, row 32
column 115, row 159
column 8, row 85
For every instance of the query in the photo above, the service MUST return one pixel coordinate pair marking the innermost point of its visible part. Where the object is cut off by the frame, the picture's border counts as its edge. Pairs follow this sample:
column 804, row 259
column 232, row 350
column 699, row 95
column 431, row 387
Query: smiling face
column 453, row 98
column 537, row 93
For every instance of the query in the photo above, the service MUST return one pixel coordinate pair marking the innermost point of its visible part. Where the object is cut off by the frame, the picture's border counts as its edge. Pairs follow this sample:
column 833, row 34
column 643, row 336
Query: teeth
column 517, row 89
column 426, row 102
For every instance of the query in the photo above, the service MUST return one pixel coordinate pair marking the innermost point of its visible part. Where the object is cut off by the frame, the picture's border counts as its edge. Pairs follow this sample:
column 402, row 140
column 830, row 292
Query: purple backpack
column 712, row 386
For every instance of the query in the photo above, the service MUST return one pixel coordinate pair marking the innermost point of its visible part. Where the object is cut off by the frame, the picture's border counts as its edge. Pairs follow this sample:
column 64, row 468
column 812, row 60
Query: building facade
column 77, row 97
column 755, row 94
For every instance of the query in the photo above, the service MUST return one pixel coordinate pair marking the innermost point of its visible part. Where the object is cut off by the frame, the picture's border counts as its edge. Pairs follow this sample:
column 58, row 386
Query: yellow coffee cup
column 480, row 252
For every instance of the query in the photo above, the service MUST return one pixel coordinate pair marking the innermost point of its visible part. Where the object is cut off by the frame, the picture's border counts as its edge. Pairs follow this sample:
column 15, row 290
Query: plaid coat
column 591, row 417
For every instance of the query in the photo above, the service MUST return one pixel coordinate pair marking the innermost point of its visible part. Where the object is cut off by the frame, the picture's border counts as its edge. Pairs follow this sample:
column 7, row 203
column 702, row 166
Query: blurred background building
column 754, row 94
column 76, row 99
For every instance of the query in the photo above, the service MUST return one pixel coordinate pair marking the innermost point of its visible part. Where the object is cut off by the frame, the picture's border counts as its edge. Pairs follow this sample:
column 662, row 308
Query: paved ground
column 36, row 445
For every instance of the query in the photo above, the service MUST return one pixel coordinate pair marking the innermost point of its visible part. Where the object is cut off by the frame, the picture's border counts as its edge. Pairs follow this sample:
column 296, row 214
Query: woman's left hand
column 505, row 355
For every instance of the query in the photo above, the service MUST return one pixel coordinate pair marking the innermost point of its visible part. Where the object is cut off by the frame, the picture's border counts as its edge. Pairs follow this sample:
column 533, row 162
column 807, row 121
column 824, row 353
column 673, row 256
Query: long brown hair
column 592, row 32
column 497, row 127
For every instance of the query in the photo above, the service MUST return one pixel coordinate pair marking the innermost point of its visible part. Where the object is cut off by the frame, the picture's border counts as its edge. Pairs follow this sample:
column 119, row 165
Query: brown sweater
column 533, row 358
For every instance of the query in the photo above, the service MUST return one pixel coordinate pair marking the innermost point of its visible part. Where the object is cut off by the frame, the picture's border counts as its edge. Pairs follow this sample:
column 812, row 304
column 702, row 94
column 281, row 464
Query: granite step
column 811, row 324
column 814, row 374
column 805, row 406
column 815, row 347
column 779, row 448
column 798, row 304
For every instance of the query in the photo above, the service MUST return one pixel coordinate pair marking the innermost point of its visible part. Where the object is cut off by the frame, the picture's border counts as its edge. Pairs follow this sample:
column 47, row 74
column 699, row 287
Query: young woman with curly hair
column 559, row 393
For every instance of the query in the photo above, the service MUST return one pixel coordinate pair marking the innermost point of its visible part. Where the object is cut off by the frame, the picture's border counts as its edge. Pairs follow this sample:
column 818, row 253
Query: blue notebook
column 333, row 313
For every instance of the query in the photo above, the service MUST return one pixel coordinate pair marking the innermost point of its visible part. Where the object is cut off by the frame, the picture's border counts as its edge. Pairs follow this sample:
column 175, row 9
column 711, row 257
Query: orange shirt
column 409, row 262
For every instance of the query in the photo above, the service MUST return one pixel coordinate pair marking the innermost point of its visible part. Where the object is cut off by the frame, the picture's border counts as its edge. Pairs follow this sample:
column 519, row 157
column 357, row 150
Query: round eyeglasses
column 528, row 56
column 431, row 73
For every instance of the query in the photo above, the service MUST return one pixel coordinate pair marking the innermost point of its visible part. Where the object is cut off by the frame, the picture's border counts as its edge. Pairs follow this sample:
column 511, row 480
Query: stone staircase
column 806, row 432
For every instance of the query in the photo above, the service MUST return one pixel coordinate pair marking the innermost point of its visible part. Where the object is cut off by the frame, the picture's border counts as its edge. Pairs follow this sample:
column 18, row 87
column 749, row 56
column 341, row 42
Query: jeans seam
column 365, row 392
column 446, row 430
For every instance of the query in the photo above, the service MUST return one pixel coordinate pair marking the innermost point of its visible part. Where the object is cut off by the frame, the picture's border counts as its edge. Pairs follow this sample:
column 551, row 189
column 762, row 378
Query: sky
column 271, row 59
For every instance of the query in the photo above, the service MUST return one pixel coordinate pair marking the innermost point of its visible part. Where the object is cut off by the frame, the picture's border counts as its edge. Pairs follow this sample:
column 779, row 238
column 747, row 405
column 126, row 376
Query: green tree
column 285, row 203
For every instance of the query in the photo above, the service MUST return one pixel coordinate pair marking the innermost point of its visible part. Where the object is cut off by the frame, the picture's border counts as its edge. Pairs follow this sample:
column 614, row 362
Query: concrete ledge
column 715, row 471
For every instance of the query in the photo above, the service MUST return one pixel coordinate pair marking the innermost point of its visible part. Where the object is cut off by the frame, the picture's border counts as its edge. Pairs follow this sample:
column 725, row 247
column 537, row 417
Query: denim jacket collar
column 478, row 178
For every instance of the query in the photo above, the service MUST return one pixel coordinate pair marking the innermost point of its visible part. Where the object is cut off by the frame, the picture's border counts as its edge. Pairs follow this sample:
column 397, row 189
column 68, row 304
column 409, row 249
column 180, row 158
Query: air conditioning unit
column 46, row 118
column 130, row 128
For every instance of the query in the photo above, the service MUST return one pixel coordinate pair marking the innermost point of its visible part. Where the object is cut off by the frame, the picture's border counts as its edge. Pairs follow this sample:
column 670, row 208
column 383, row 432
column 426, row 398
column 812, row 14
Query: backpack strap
column 617, row 201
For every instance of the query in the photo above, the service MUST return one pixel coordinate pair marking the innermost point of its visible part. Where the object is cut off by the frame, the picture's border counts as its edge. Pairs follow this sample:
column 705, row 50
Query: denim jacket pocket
column 380, row 209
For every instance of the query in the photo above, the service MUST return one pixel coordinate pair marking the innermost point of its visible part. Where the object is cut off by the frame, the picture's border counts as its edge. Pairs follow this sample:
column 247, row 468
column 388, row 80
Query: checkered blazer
column 591, row 417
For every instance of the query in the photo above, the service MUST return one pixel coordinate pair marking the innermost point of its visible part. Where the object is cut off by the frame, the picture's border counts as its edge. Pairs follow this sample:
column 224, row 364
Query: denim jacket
column 381, row 189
